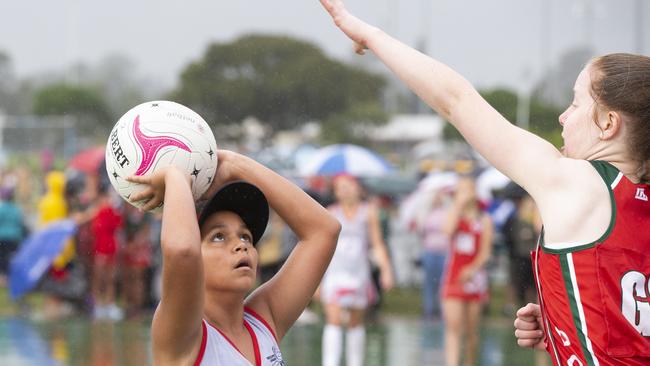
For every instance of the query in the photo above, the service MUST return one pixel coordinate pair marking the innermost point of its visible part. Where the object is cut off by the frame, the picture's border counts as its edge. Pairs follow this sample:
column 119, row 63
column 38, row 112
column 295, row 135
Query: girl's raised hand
column 154, row 191
column 226, row 172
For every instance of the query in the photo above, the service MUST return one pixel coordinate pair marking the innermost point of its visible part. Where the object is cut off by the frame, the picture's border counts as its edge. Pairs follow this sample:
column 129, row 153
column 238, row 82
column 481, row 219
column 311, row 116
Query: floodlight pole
column 3, row 120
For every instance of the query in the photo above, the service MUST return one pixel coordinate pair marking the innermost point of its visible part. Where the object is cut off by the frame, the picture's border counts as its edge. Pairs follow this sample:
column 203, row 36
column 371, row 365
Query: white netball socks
column 332, row 345
column 355, row 345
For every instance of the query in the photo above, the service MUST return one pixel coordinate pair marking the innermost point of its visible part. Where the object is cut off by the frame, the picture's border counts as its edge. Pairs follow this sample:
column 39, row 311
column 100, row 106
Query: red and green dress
column 595, row 297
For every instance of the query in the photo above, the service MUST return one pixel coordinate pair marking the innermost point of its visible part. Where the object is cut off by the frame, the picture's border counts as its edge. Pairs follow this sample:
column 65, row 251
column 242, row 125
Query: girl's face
column 466, row 188
column 229, row 257
column 346, row 189
column 580, row 132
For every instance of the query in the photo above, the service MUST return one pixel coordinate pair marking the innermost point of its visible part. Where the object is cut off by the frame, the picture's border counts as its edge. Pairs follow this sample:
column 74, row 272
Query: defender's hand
column 353, row 27
column 529, row 328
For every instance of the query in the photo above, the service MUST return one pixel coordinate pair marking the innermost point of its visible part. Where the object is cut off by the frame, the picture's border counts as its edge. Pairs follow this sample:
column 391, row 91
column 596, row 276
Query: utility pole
column 3, row 120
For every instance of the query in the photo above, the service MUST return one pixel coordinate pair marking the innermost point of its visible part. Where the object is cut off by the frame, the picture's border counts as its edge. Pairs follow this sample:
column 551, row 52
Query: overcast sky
column 492, row 42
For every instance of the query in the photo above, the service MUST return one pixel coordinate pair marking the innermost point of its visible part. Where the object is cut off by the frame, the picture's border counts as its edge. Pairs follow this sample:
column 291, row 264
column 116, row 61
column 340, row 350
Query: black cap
column 245, row 200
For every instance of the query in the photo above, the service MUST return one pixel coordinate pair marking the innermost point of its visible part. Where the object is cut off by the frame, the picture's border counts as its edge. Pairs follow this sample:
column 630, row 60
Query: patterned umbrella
column 345, row 159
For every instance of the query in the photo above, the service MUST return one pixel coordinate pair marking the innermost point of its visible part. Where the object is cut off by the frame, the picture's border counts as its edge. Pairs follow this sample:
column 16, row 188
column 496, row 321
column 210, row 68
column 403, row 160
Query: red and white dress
column 217, row 350
column 465, row 246
column 347, row 281
column 595, row 297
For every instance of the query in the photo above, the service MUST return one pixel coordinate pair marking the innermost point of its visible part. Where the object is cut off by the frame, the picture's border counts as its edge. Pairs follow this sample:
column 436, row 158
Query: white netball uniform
column 347, row 280
column 218, row 350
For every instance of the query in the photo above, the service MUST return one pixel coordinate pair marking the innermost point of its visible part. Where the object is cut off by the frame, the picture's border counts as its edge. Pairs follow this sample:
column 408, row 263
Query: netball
column 158, row 134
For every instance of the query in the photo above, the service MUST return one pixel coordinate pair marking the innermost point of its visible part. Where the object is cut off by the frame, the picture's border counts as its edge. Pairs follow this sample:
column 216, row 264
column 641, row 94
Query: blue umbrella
column 35, row 255
column 346, row 159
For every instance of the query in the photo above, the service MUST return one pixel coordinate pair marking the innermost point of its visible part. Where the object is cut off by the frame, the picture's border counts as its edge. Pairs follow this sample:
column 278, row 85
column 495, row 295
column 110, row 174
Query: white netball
column 157, row 134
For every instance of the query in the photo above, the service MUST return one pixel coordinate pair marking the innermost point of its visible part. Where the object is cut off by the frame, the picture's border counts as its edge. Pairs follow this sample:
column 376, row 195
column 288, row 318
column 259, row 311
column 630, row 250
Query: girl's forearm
column 179, row 222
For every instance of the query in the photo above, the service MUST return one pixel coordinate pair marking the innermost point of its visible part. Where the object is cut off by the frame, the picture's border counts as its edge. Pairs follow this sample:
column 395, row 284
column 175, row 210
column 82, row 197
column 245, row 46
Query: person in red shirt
column 104, row 227
column 465, row 282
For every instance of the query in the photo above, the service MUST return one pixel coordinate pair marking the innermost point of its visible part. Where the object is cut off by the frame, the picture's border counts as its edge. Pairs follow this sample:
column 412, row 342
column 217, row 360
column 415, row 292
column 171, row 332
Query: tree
column 83, row 102
column 8, row 100
column 544, row 121
column 281, row 81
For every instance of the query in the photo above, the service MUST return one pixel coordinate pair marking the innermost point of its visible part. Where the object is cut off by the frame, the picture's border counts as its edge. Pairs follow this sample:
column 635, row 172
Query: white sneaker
column 114, row 312
column 100, row 312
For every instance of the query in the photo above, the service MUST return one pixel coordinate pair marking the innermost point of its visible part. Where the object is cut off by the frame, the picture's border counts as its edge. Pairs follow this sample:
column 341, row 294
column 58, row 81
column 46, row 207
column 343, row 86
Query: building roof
column 409, row 127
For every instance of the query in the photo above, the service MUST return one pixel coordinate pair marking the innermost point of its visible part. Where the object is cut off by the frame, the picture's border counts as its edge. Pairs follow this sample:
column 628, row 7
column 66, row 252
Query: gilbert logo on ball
column 157, row 134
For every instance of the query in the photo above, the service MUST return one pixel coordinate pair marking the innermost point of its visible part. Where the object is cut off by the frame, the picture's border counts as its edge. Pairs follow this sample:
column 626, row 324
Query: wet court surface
column 393, row 341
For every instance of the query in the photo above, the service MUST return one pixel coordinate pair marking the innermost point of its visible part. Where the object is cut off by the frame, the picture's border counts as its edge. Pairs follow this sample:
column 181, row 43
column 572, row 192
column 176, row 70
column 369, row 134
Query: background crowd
column 457, row 233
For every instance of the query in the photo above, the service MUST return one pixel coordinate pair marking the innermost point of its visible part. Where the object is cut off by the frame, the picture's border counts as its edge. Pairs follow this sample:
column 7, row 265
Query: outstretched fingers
column 336, row 9
column 353, row 27
column 328, row 5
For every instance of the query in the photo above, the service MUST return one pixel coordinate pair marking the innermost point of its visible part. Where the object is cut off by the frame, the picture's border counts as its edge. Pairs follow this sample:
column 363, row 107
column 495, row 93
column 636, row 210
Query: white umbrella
column 488, row 181
column 345, row 159
column 419, row 202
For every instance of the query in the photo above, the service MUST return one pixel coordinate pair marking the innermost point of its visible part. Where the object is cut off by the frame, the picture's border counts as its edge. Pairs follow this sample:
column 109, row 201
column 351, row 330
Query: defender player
column 592, row 264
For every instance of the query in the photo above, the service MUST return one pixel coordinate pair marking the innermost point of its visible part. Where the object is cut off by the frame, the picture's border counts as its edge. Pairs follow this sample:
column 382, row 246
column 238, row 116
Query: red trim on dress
column 228, row 339
column 204, row 341
column 256, row 346
column 259, row 317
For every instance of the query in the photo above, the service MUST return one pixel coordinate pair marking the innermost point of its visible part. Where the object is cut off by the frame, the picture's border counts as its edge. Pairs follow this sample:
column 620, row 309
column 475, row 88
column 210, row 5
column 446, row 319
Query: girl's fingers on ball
column 145, row 194
column 152, row 203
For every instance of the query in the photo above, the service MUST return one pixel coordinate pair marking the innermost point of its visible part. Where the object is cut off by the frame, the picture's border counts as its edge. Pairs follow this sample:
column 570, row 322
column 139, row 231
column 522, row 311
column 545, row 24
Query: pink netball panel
column 150, row 146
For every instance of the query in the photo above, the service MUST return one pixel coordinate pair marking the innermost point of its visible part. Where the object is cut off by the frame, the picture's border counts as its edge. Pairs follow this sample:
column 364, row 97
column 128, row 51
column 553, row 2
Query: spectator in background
column 137, row 258
column 435, row 245
column 12, row 230
column 465, row 285
column 521, row 232
column 347, row 287
column 81, row 204
column 383, row 204
column 53, row 207
column 104, row 226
